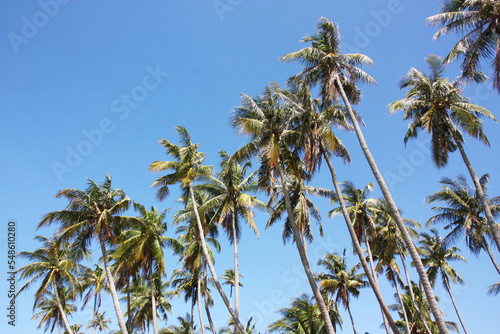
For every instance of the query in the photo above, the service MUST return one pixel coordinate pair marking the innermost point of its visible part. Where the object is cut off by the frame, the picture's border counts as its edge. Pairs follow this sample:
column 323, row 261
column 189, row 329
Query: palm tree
column 435, row 256
column 462, row 213
column 479, row 20
column 187, row 168
column 230, row 279
column 436, row 105
column 75, row 329
column 48, row 307
column 95, row 282
column 339, row 281
column 267, row 120
column 303, row 316
column 338, row 73
column 94, row 213
column 99, row 322
column 183, row 328
column 55, row 264
column 250, row 328
column 229, row 197
column 144, row 243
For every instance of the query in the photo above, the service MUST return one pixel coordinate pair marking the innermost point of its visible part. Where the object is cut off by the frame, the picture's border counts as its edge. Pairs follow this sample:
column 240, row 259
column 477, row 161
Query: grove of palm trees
column 329, row 200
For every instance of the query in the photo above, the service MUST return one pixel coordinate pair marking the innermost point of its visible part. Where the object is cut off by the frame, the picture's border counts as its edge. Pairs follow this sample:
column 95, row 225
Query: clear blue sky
column 89, row 87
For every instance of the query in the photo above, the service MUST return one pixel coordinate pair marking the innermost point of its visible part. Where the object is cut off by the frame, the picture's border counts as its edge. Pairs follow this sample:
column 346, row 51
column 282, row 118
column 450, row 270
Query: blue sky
column 89, row 88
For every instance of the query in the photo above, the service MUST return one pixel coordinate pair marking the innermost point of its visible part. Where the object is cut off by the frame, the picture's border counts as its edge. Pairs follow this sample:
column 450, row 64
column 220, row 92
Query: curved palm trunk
column 303, row 256
column 114, row 296
column 207, row 310
column 493, row 260
column 198, row 301
column 210, row 265
column 352, row 319
column 153, row 300
column 61, row 310
column 395, row 213
column 357, row 246
column 405, row 315
column 410, row 287
column 454, row 305
column 236, row 267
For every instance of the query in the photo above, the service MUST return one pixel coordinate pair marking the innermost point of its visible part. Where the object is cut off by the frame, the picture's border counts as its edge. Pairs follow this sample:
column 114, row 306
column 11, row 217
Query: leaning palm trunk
column 357, row 246
column 352, row 319
column 95, row 311
column 410, row 287
column 303, row 255
column 207, row 310
column 61, row 310
column 236, row 267
column 114, row 296
column 490, row 254
column 447, row 283
column 405, row 315
column 153, row 301
column 210, row 265
column 395, row 213
column 129, row 310
column 198, row 301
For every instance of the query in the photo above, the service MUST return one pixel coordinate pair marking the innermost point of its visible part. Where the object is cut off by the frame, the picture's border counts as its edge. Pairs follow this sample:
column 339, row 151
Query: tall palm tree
column 303, row 316
column 99, row 322
column 463, row 213
column 230, row 198
column 339, row 281
column 250, row 328
column 435, row 256
column 94, row 282
column 48, row 307
column 55, row 263
column 478, row 19
column 338, row 74
column 267, row 120
column 187, row 168
column 184, row 327
column 230, row 279
column 145, row 243
column 436, row 105
column 94, row 214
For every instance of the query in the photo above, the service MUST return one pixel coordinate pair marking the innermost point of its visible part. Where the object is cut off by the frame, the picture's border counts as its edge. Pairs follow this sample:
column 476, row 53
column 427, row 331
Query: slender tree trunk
column 494, row 229
column 153, row 300
column 236, row 267
column 114, row 296
column 453, row 301
column 210, row 265
column 61, row 310
column 405, row 315
column 303, row 256
column 192, row 315
column 93, row 316
column 129, row 311
column 198, row 300
column 352, row 319
column 410, row 287
column 59, row 324
column 207, row 309
column 493, row 260
column 357, row 246
column 395, row 213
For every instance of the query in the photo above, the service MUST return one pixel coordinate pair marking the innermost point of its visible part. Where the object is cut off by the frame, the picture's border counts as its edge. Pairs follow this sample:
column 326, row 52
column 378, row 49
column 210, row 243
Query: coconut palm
column 340, row 282
column 75, row 329
column 99, row 322
column 48, row 307
column 435, row 256
column 303, row 316
column 94, row 282
column 55, row 263
column 187, row 168
column 250, row 328
column 463, row 213
column 436, row 105
column 230, row 279
column 94, row 214
column 267, row 120
column 184, row 327
column 230, row 198
column 478, row 22
column 338, row 74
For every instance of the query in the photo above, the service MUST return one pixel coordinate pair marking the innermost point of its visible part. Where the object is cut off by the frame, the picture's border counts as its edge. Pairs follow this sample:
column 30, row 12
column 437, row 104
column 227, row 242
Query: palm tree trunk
column 198, row 300
column 495, row 231
column 207, row 309
column 395, row 213
column 129, row 315
column 410, row 287
column 454, row 305
column 61, row 310
column 405, row 315
column 153, row 300
column 488, row 250
column 236, row 267
column 303, row 256
column 114, row 296
column 93, row 316
column 357, row 246
column 210, row 265
column 352, row 319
